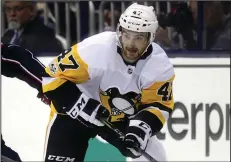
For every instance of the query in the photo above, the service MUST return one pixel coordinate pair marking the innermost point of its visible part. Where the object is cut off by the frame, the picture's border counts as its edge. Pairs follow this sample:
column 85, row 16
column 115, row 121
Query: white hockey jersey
column 97, row 68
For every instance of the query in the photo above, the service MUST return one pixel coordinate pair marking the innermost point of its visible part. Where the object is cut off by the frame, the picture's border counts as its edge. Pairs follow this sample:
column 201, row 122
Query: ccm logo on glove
column 79, row 105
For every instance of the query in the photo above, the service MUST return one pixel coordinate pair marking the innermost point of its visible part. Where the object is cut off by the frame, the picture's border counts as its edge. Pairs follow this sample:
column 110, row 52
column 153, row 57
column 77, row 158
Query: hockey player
column 20, row 63
column 121, row 76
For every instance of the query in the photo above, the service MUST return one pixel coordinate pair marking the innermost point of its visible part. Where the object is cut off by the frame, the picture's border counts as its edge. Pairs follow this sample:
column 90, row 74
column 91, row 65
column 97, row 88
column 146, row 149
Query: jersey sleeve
column 77, row 65
column 83, row 62
column 67, row 66
column 20, row 63
column 157, row 101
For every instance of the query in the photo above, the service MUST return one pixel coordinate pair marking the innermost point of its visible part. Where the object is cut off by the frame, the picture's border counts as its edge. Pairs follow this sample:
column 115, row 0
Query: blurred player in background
column 20, row 63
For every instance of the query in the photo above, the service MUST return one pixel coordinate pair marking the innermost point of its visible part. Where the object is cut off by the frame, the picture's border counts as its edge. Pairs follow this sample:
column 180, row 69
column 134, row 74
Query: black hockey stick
column 121, row 136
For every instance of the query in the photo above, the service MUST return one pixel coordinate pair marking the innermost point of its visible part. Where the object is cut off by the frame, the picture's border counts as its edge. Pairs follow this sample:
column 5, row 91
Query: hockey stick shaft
column 121, row 136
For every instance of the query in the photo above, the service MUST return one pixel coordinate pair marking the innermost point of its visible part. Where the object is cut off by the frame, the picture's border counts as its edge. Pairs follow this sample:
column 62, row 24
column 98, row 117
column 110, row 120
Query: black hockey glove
column 137, row 136
column 68, row 99
column 88, row 109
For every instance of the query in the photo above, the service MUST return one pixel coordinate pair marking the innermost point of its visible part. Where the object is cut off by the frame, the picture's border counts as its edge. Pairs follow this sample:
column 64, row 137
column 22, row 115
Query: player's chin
column 134, row 58
column 130, row 57
column 131, row 60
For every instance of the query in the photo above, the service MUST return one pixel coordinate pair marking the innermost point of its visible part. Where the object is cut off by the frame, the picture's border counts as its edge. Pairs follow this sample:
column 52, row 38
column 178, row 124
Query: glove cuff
column 79, row 105
column 141, row 127
column 141, row 130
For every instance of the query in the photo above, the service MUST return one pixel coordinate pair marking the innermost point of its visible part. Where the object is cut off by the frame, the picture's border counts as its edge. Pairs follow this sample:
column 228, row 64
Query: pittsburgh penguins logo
column 120, row 104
